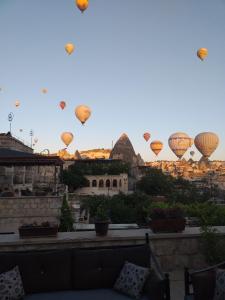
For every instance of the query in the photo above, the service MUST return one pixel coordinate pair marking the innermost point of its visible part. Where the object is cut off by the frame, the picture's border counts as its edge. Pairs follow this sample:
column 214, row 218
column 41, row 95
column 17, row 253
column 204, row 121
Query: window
column 114, row 183
column 120, row 183
column 94, row 183
column 101, row 183
column 107, row 183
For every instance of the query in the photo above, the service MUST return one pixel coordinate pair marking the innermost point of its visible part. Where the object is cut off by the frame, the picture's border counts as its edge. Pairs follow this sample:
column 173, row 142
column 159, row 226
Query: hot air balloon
column 206, row 143
column 69, row 48
column 21, row 130
column 146, row 136
column 36, row 140
column 202, row 53
column 17, row 103
column 62, row 104
column 44, row 91
column 179, row 142
column 82, row 5
column 67, row 138
column 156, row 146
column 192, row 153
column 82, row 113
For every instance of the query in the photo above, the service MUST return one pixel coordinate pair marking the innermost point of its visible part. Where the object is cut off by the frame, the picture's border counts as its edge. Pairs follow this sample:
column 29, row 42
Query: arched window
column 101, row 183
column 94, row 183
column 114, row 183
column 107, row 183
column 120, row 183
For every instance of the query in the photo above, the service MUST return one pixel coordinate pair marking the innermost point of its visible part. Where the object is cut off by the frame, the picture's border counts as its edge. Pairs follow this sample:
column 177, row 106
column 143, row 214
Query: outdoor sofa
column 83, row 274
column 201, row 284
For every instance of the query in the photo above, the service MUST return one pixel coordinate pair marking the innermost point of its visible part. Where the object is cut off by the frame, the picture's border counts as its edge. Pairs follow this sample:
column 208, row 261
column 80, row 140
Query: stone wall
column 17, row 211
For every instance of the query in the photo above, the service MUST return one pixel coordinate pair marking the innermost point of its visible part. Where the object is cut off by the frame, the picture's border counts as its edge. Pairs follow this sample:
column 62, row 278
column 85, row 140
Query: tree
column 66, row 218
column 156, row 183
column 74, row 178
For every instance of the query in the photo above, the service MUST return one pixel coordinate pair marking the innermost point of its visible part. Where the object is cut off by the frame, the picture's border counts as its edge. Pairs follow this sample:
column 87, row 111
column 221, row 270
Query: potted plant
column 45, row 229
column 169, row 219
column 101, row 221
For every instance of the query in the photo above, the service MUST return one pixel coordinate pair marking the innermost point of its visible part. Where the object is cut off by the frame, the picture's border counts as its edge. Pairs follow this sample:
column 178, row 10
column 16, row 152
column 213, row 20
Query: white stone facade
column 108, row 185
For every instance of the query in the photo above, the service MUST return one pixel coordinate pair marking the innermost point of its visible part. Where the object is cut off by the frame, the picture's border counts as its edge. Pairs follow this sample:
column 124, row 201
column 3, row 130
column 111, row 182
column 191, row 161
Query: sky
column 134, row 65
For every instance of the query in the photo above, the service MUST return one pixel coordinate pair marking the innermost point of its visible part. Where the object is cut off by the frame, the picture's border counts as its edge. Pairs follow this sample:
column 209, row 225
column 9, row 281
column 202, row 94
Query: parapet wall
column 173, row 251
column 17, row 211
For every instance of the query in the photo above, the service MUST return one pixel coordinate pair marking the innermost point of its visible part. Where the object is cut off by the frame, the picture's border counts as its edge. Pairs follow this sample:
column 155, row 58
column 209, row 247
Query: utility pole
column 31, row 138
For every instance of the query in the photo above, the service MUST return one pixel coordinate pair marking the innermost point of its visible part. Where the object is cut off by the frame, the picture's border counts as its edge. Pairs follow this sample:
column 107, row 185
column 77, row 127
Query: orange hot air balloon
column 62, row 104
column 67, row 138
column 69, row 48
column 146, row 136
column 17, row 103
column 82, row 113
column 179, row 142
column 206, row 143
column 156, row 147
column 202, row 53
column 44, row 91
column 82, row 5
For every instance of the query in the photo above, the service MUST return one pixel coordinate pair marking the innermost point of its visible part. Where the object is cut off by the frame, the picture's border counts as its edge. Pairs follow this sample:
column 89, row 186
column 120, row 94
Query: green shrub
column 66, row 218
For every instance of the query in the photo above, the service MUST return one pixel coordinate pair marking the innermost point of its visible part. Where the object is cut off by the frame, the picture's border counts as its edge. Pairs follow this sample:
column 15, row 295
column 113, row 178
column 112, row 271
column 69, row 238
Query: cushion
column 204, row 285
column 220, row 285
column 99, row 268
column 99, row 294
column 11, row 286
column 131, row 280
column 41, row 271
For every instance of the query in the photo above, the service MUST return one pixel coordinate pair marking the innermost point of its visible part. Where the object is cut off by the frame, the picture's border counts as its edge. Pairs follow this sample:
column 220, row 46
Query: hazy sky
column 134, row 64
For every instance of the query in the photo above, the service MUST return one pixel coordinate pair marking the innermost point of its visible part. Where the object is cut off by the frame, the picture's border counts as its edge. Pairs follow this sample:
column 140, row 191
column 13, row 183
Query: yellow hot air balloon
column 156, row 146
column 82, row 113
column 82, row 4
column 206, row 143
column 67, row 138
column 17, row 103
column 202, row 53
column 69, row 48
column 179, row 142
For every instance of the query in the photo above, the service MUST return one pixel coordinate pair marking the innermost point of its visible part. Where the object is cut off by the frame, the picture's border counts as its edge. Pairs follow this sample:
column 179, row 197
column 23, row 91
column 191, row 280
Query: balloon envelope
column 82, row 4
column 206, row 143
column 62, row 104
column 202, row 53
column 67, row 138
column 146, row 136
column 44, row 91
column 179, row 142
column 82, row 113
column 69, row 48
column 156, row 146
column 17, row 103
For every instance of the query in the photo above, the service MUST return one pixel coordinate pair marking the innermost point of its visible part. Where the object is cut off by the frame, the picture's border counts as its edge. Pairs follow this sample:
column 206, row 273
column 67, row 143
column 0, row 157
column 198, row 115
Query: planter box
column 37, row 231
column 167, row 225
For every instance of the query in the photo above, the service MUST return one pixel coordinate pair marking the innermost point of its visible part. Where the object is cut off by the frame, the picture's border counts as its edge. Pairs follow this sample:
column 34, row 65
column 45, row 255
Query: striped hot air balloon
column 156, row 147
column 179, row 142
column 206, row 143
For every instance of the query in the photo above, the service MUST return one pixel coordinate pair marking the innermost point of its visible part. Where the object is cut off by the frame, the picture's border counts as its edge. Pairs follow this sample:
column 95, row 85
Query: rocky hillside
column 96, row 153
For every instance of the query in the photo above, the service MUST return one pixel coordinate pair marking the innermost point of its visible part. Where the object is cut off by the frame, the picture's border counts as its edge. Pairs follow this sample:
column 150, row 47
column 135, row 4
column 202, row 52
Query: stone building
column 25, row 173
column 10, row 142
column 107, row 185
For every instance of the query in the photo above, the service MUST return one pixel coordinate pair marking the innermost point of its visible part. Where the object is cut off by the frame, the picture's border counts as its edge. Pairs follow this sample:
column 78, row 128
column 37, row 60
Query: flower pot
column 101, row 227
column 38, row 231
column 167, row 225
